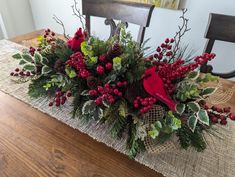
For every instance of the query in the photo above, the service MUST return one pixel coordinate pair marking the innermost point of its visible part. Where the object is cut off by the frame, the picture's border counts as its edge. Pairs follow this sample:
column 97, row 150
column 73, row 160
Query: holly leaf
column 17, row 56
column 44, row 61
column 89, row 107
column 180, row 108
column 30, row 67
column 193, row 75
column 38, row 57
column 46, row 70
column 192, row 122
column 194, row 106
column 22, row 62
column 27, row 58
column 98, row 113
column 208, row 91
column 203, row 117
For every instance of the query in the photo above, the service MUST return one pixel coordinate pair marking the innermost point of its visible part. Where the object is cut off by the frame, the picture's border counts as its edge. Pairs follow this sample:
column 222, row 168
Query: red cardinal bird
column 154, row 85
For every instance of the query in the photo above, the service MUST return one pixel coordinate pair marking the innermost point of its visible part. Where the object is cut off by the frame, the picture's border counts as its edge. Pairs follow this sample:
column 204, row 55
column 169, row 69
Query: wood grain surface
column 32, row 144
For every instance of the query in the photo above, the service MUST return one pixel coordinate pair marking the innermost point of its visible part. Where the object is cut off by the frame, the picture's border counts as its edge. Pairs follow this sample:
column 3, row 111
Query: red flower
column 75, row 42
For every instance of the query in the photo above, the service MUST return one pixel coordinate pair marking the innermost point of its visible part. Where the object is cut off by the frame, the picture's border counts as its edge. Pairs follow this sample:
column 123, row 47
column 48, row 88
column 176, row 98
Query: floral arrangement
column 113, row 82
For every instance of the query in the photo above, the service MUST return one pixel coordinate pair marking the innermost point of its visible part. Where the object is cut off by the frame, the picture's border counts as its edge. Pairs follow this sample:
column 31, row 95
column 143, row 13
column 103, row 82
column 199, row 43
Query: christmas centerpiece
column 147, row 98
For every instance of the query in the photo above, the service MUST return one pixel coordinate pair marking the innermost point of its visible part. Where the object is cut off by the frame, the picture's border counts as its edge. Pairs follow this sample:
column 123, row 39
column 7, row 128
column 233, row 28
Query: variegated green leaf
column 193, row 106
column 203, row 117
column 46, row 70
column 30, row 67
column 192, row 122
column 180, row 108
column 17, row 56
column 208, row 91
column 27, row 58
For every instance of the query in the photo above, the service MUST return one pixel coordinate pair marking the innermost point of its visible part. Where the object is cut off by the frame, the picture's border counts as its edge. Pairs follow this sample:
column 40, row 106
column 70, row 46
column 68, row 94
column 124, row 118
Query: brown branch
column 77, row 13
column 182, row 30
column 57, row 20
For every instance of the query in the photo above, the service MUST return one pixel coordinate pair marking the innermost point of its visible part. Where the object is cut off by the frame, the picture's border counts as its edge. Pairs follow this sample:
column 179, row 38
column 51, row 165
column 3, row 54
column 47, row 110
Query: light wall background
column 16, row 16
column 164, row 23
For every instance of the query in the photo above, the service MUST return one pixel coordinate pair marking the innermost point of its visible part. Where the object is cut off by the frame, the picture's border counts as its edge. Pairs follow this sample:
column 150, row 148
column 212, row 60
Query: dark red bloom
column 75, row 42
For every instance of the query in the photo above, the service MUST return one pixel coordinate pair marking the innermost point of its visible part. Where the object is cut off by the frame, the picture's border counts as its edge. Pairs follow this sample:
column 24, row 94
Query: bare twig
column 178, row 37
column 61, row 24
column 78, row 14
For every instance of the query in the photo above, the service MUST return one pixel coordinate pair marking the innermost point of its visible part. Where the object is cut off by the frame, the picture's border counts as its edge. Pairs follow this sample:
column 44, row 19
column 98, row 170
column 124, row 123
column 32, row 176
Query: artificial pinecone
column 59, row 66
column 93, row 82
column 115, row 50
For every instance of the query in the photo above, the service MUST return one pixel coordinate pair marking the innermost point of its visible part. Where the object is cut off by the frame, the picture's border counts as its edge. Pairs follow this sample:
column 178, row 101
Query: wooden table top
column 32, row 144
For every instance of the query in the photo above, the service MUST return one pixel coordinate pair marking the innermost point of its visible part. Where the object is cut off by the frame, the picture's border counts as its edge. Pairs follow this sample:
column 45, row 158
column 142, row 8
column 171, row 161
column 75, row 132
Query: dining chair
column 127, row 12
column 222, row 28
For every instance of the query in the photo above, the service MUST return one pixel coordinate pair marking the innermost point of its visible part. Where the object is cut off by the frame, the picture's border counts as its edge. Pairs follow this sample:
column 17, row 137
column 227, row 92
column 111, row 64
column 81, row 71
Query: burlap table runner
column 217, row 161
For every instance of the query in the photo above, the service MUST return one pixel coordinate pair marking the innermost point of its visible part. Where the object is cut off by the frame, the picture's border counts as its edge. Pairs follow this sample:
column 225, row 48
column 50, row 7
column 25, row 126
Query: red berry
column 223, row 122
column 116, row 91
column 16, row 74
column 17, row 70
column 69, row 94
column 100, row 89
column 27, row 73
column 172, row 40
column 102, row 58
column 232, row 116
column 92, row 92
column 167, row 40
column 109, row 66
column 62, row 102
column 107, row 86
column 57, row 104
column 119, row 84
column 51, row 104
column 158, row 49
column 120, row 94
column 53, row 34
column 144, row 103
column 100, row 70
column 136, row 105
column 214, row 119
column 98, row 101
column 125, row 83
column 227, row 110
column 12, row 74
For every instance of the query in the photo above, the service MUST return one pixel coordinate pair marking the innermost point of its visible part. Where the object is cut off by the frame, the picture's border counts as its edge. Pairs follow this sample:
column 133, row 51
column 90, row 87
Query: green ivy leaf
column 194, row 106
column 17, row 56
column 193, row 75
column 208, row 91
column 70, row 72
column 22, row 62
column 28, row 58
column 30, row 67
column 46, row 70
column 88, row 107
column 192, row 122
column 37, row 57
column 203, row 117
column 180, row 108
column 153, row 133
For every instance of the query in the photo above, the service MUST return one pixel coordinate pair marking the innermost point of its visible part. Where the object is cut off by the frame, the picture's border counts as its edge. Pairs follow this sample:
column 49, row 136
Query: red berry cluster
column 60, row 98
column 21, row 73
column 77, row 61
column 218, row 114
column 108, row 93
column 144, row 104
column 105, row 65
column 171, row 71
column 49, row 35
column 165, row 50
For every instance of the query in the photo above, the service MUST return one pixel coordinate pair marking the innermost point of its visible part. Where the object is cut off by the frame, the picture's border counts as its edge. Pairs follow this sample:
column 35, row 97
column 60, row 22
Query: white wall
column 17, row 16
column 164, row 24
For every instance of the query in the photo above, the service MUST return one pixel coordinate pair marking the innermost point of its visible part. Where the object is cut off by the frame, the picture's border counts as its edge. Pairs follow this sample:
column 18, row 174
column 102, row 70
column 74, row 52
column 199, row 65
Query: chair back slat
column 136, row 13
column 221, row 27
